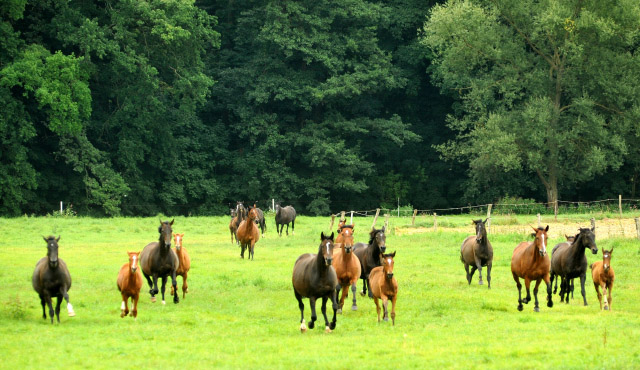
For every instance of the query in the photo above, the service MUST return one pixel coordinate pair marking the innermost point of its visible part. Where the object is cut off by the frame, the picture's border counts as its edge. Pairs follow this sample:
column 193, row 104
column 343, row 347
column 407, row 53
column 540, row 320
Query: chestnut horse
column 531, row 262
column 346, row 264
column 568, row 261
column 129, row 285
column 476, row 251
column 248, row 233
column 51, row 278
column 158, row 260
column 384, row 286
column 185, row 263
column 313, row 278
column 603, row 276
column 369, row 256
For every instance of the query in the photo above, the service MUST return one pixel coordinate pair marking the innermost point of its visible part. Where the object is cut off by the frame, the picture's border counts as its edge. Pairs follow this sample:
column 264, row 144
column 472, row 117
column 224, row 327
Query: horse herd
column 338, row 265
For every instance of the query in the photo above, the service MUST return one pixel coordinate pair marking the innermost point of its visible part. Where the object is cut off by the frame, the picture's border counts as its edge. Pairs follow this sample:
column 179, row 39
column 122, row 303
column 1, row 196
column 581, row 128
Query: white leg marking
column 70, row 309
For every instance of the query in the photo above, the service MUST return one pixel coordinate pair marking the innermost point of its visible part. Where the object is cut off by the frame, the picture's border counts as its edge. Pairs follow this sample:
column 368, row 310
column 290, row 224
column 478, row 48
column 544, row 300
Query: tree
column 549, row 88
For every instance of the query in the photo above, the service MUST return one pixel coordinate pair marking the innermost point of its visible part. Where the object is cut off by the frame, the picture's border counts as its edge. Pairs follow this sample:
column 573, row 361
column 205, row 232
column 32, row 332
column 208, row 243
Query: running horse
column 385, row 287
column 185, row 263
column 129, row 284
column 476, row 251
column 568, row 261
column 158, row 260
column 603, row 276
column 346, row 264
column 50, row 279
column 369, row 256
column 531, row 262
column 248, row 233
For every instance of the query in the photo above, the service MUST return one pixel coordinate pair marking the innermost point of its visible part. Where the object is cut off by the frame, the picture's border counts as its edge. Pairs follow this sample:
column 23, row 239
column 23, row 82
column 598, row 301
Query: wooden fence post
column 489, row 218
column 342, row 216
column 413, row 220
column 638, row 226
column 386, row 222
column 375, row 219
column 435, row 222
column 620, row 204
column 539, row 224
column 555, row 210
column 351, row 222
column 333, row 217
column 593, row 224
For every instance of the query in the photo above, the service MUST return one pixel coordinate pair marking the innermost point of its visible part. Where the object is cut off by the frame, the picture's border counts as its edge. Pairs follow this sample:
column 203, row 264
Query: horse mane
column 372, row 235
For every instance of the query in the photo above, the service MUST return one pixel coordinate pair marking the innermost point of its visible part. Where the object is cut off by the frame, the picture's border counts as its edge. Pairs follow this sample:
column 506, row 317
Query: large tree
column 548, row 88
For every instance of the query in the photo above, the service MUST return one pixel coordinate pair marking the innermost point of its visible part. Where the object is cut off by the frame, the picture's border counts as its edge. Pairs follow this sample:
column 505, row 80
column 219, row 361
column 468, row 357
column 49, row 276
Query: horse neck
column 374, row 251
column 534, row 252
column 577, row 248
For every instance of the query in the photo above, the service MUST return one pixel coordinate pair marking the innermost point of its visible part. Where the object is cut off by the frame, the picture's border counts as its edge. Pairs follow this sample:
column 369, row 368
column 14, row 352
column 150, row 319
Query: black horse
column 284, row 216
column 51, row 278
column 313, row 278
column 158, row 260
column 369, row 256
column 568, row 261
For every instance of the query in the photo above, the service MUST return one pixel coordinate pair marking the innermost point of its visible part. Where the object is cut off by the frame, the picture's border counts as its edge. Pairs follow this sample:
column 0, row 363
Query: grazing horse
column 346, row 264
column 477, row 252
column 185, row 264
column 284, row 216
column 369, row 256
column 158, row 260
column 603, row 276
column 313, row 278
column 260, row 220
column 531, row 262
column 232, row 224
column 248, row 233
column 384, row 286
column 129, row 285
column 50, row 279
column 568, row 261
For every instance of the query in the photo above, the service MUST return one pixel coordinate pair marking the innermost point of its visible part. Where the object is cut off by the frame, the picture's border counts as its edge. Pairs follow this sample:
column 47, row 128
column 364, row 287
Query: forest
column 140, row 107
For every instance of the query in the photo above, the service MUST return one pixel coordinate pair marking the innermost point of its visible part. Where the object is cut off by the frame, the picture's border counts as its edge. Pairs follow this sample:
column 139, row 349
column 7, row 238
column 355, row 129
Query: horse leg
column 479, row 267
column 353, row 290
column 287, row 229
column 473, row 271
column 334, row 304
column 519, row 286
column 303, row 327
column 253, row 243
column 375, row 299
column 369, row 287
column 162, row 288
column 549, row 298
column 154, row 289
column 50, row 305
column 385, row 303
column 604, row 295
column 242, row 246
column 43, row 303
column 123, row 306
column 466, row 268
column 134, row 304
column 65, row 294
column 314, row 317
column 609, row 287
column 338, row 289
column 293, row 227
column 527, row 285
column 489, row 265
column 364, row 287
column 58, row 303
column 185, row 287
column 536, row 308
column 323, row 308
column 174, row 286
column 393, row 310
column 553, row 277
column 583, row 278
column 597, row 286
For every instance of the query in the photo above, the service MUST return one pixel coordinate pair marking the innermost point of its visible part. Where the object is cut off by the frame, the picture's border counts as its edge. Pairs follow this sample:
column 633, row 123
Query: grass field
column 243, row 314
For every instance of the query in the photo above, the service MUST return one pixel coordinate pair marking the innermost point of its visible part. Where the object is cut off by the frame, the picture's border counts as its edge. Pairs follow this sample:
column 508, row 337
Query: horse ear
column 593, row 229
column 383, row 228
column 331, row 237
column 547, row 228
column 322, row 235
column 485, row 220
column 393, row 255
column 45, row 239
column 160, row 229
column 171, row 223
column 58, row 239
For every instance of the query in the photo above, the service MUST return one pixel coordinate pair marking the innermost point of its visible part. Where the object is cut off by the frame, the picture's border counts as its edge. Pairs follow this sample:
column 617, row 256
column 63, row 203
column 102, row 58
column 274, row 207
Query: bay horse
column 531, row 262
column 51, row 278
column 158, row 260
column 346, row 264
column 568, row 261
column 314, row 277
column 384, row 286
column 603, row 276
column 238, row 216
column 476, row 251
column 232, row 224
column 260, row 220
column 129, row 284
column 284, row 216
column 369, row 256
column 185, row 263
column 248, row 233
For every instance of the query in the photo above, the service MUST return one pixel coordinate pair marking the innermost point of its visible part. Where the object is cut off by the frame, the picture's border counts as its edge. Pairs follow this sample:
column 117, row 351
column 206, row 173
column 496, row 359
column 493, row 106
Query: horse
column 314, row 277
column 232, row 224
column 384, row 286
column 346, row 264
column 185, row 263
column 603, row 276
column 238, row 215
column 248, row 233
column 260, row 220
column 570, row 239
column 284, row 216
column 158, row 260
column 568, row 261
column 51, row 278
column 369, row 256
column 531, row 262
column 477, row 252
column 129, row 284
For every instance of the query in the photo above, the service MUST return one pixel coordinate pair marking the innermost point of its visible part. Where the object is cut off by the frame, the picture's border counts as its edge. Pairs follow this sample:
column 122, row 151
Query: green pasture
column 243, row 314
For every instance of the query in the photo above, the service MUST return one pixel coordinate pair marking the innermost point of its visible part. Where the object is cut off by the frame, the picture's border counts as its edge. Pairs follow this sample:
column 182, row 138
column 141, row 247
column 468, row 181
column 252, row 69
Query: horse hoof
column 327, row 330
column 339, row 311
column 386, row 319
column 303, row 328
column 520, row 307
column 312, row 325
column 606, row 308
column 153, row 299
column 536, row 309
column 122, row 314
column 332, row 325
column 163, row 302
column 362, row 294
column 550, row 304
column 480, row 282
column 354, row 308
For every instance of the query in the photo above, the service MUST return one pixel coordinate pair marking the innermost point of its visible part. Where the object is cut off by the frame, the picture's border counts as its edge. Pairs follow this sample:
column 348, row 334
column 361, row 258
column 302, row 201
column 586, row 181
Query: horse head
column 378, row 238
column 253, row 214
column 540, row 241
column 326, row 248
column 165, row 233
column 52, row 250
column 387, row 264
column 346, row 234
column 606, row 259
column 177, row 238
column 588, row 239
column 481, row 232
column 133, row 261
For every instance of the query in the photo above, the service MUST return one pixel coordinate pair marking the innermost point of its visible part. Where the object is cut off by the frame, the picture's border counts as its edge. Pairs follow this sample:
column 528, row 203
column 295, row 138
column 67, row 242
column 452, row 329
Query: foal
column 384, row 286
column 185, row 264
column 603, row 276
column 346, row 264
column 129, row 284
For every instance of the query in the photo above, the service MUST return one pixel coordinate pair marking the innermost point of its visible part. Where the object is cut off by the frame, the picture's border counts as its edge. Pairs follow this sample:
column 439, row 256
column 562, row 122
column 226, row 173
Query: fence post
column 60, row 207
column 333, row 217
column 386, row 222
column 273, row 204
column 489, row 218
column 555, row 210
column 638, row 226
column 351, row 222
column 539, row 224
column 413, row 220
column 342, row 216
column 375, row 218
column 435, row 222
column 593, row 224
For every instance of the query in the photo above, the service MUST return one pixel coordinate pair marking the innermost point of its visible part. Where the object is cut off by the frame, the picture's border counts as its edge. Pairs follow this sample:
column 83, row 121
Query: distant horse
column 284, row 216
column 346, row 264
column 51, row 278
column 248, row 233
column 313, row 278
column 237, row 217
column 384, row 286
column 568, row 261
column 232, row 224
column 477, row 252
column 260, row 220
column 129, row 285
column 531, row 262
column 158, row 260
column 185, row 263
column 603, row 276
column 369, row 256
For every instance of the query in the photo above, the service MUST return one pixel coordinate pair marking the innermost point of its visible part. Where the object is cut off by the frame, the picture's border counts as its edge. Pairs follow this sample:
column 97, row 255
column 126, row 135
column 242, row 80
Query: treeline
column 140, row 107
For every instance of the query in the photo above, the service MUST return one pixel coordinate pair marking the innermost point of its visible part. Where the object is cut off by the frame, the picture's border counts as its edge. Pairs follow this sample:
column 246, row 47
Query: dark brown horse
column 51, row 278
column 260, row 221
column 384, row 286
column 345, row 263
column 603, row 276
column 369, row 256
column 158, row 260
column 476, row 251
column 233, row 228
column 531, row 262
column 239, row 215
column 284, row 216
column 313, row 278
column 568, row 261
column 248, row 233
column 129, row 284
column 185, row 263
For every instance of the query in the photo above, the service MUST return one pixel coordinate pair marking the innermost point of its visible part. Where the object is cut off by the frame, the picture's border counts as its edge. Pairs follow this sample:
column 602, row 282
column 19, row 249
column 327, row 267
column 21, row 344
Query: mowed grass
column 243, row 314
